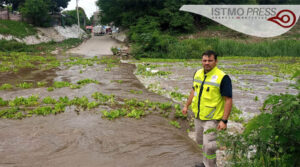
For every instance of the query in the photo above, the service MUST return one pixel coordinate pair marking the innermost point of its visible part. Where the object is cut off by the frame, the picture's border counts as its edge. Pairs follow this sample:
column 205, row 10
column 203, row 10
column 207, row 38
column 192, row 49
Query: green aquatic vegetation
column 14, row 61
column 73, row 61
column 109, row 60
column 61, row 84
column 136, row 91
column 87, row 81
column 255, row 98
column 102, row 97
column 277, row 79
column 49, row 100
column 9, row 113
column 178, row 96
column 135, row 113
column 245, row 88
column 113, row 114
column 235, row 115
column 3, row 102
column 44, row 110
column 165, row 106
column 178, row 113
column 50, row 89
column 175, row 123
column 64, row 100
column 74, row 86
column 117, row 81
column 93, row 104
column 107, row 69
column 22, row 101
column 41, row 84
column 134, row 103
column 59, row 108
column 6, row 86
column 25, row 85
column 82, row 102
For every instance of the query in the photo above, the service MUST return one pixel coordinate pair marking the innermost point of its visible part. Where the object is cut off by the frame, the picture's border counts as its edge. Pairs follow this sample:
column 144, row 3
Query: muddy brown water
column 70, row 139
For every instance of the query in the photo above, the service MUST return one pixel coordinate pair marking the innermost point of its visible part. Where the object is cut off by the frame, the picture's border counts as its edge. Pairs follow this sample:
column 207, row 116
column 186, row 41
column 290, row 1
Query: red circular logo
column 284, row 18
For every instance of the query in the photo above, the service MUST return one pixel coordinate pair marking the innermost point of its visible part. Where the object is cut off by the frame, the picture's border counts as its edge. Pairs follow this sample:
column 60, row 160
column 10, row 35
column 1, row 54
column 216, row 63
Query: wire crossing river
column 82, row 138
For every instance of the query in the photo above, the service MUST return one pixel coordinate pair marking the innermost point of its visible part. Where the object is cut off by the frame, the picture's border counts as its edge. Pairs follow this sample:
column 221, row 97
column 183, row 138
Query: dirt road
column 85, row 139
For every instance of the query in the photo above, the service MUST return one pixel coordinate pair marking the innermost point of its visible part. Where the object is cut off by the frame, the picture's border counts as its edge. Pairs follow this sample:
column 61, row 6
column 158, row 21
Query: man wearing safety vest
column 211, row 99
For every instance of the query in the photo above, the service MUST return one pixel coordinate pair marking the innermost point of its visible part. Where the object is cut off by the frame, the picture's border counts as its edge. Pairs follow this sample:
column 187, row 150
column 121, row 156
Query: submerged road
column 87, row 140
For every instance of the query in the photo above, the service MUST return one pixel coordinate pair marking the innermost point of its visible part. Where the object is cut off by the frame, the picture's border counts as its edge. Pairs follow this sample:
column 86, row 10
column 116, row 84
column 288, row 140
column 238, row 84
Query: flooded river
column 85, row 139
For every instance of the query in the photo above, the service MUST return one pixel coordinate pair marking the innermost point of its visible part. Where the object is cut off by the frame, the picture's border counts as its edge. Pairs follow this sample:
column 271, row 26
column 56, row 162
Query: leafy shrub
column 271, row 138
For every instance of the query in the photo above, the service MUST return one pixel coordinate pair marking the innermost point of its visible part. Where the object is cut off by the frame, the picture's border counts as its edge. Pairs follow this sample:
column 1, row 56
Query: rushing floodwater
column 85, row 139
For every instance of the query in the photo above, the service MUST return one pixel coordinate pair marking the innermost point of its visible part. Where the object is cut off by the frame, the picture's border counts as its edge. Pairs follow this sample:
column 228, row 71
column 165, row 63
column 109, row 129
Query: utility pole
column 77, row 14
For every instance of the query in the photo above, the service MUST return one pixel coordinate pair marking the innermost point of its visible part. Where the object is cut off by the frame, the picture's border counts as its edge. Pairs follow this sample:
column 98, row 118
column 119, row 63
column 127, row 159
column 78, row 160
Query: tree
column 37, row 12
column 127, row 13
column 71, row 17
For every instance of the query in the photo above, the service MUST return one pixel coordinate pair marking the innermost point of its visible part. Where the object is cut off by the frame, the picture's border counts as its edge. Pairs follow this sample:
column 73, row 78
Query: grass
column 16, row 28
column 192, row 48
column 14, row 46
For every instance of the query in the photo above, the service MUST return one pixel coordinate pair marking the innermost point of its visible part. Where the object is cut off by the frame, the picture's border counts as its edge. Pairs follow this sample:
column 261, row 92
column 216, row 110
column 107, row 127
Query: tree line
column 38, row 12
column 165, row 13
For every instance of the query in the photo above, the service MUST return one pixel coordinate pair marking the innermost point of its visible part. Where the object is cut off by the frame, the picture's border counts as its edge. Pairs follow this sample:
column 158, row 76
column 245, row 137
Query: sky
column 89, row 6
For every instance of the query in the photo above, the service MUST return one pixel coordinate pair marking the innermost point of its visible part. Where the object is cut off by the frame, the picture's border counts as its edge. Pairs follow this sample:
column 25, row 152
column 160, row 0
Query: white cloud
column 89, row 6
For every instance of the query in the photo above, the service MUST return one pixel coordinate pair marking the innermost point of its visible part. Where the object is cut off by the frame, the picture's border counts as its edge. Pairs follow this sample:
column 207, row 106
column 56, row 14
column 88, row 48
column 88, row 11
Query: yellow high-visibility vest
column 208, row 104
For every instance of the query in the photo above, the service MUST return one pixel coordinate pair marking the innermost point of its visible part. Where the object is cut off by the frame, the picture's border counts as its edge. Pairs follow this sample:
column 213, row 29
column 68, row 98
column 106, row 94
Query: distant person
column 211, row 99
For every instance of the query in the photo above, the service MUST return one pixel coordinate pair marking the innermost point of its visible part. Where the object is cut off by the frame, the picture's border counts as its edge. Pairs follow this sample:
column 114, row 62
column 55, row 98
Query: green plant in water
column 50, row 89
column 6, row 86
column 61, row 84
column 41, row 84
column 82, row 102
column 93, row 104
column 175, row 123
column 235, row 114
column 178, row 113
column 135, row 113
column 103, row 98
column 136, row 91
column 117, row 81
column 49, row 100
column 25, row 85
column 178, row 96
column 3, row 102
column 113, row 114
column 87, row 81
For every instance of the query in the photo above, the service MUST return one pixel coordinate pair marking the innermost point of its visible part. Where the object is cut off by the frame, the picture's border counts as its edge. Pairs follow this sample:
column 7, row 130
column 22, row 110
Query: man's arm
column 227, row 110
column 188, row 103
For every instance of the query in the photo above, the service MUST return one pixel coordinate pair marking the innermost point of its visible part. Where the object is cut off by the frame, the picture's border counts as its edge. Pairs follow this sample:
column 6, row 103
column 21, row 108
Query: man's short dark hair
column 210, row 53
